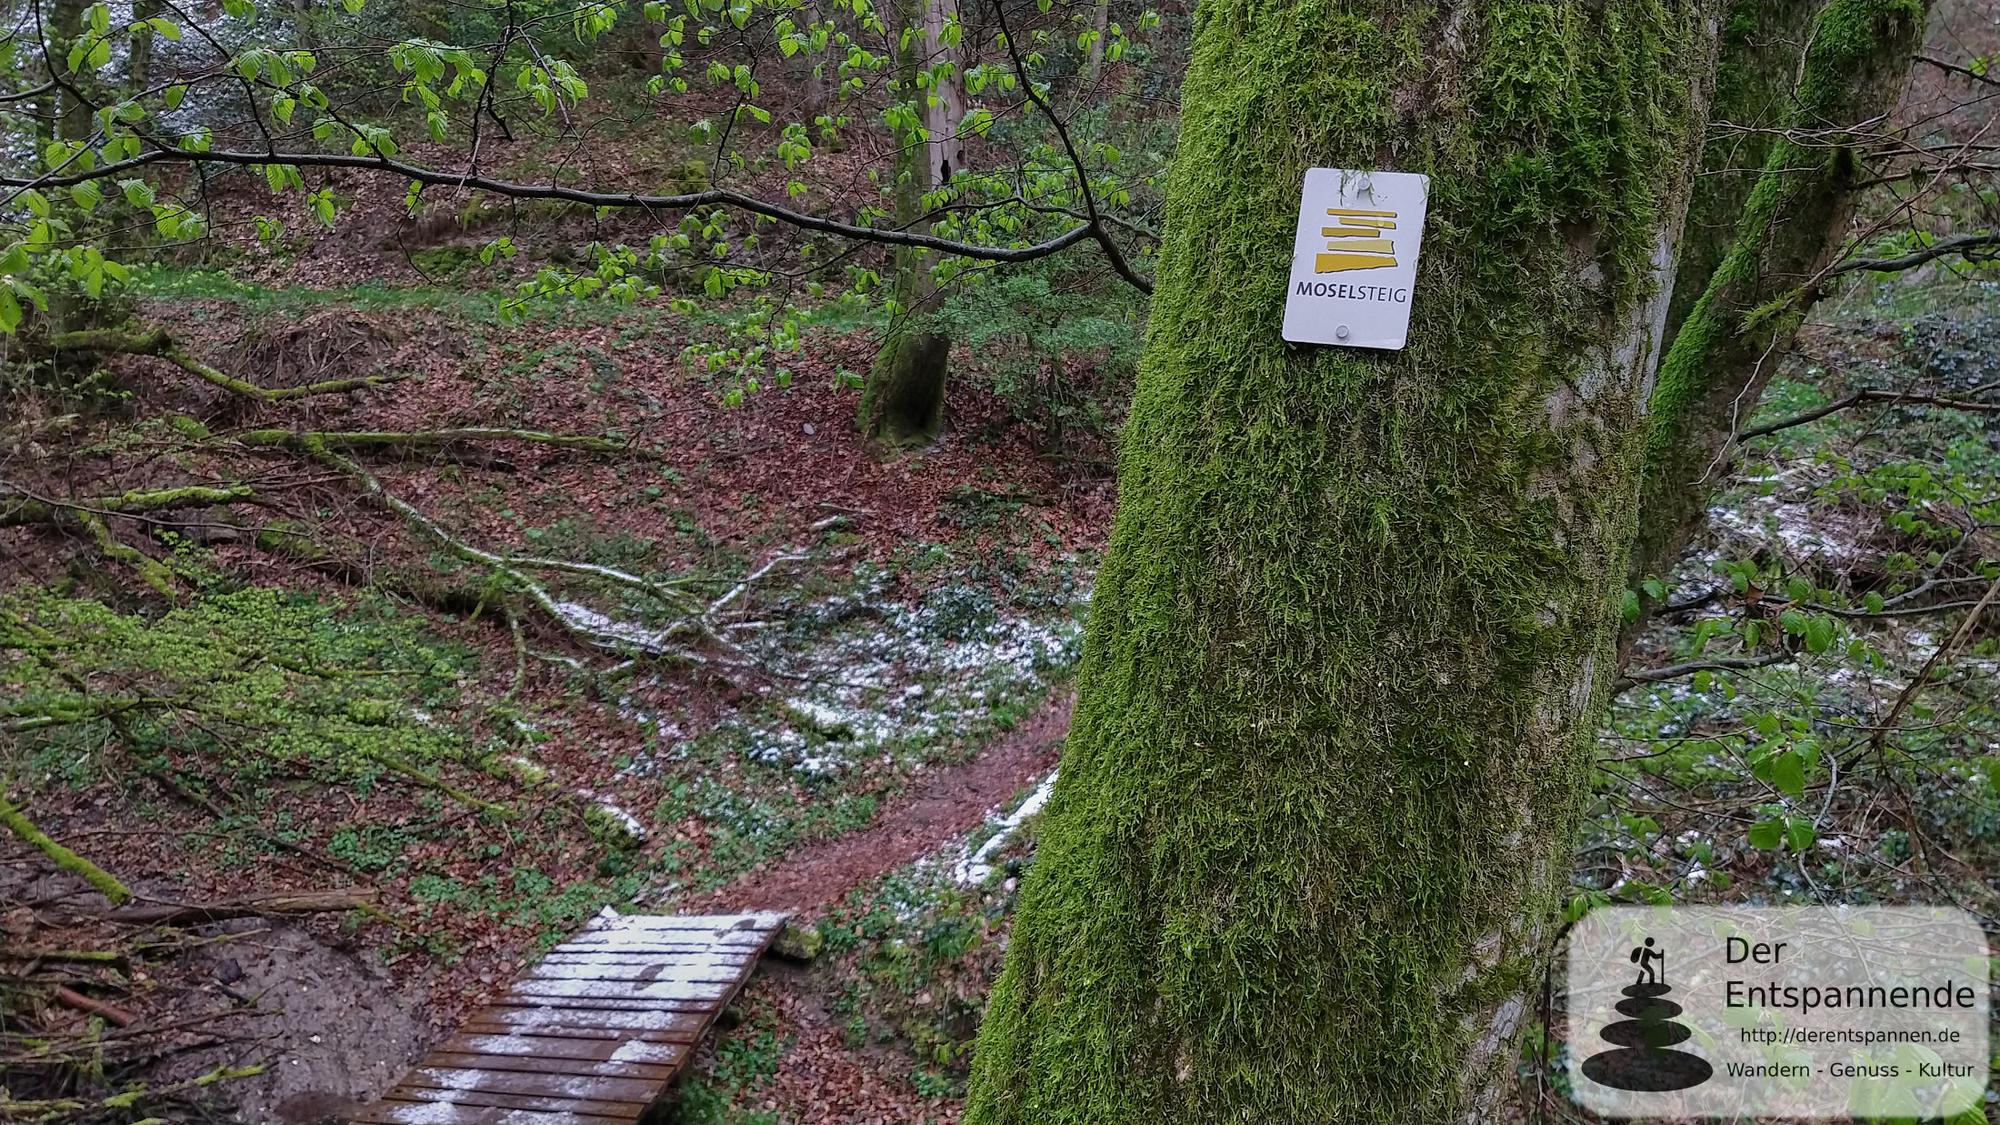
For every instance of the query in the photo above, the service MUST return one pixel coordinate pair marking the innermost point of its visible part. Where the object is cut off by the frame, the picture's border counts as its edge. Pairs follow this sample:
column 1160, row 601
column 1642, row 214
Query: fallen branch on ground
column 19, row 508
column 106, row 883
column 70, row 998
column 196, row 914
column 155, row 342
column 299, row 440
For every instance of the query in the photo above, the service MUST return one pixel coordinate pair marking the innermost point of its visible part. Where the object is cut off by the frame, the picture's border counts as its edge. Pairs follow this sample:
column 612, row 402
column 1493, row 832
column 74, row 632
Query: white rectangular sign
column 1354, row 258
column 1741, row 1012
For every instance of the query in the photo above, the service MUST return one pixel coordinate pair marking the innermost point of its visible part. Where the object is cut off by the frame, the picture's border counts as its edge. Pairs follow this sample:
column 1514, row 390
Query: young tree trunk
column 818, row 81
column 139, row 67
column 1351, row 639
column 70, row 117
column 1792, row 220
column 903, row 401
column 1093, row 67
column 944, row 109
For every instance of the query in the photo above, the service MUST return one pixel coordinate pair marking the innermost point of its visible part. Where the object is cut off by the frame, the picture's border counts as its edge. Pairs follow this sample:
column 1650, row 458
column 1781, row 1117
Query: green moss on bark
column 1790, row 225
column 1763, row 43
column 902, row 403
column 1348, row 643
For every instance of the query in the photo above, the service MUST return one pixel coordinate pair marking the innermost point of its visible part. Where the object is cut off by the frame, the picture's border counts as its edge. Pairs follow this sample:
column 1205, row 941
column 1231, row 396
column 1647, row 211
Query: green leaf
column 1788, row 773
column 1767, row 833
column 86, row 194
column 1799, row 833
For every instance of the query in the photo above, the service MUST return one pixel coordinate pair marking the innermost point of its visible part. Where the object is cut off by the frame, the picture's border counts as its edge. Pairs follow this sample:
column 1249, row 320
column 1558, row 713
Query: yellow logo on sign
column 1357, row 242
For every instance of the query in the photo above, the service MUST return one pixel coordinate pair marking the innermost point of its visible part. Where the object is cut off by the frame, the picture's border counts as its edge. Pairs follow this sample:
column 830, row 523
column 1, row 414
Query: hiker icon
column 1644, row 1059
column 1652, row 963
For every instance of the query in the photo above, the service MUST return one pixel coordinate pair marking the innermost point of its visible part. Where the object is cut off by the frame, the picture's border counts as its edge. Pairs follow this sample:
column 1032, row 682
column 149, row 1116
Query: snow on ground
column 975, row 866
column 868, row 677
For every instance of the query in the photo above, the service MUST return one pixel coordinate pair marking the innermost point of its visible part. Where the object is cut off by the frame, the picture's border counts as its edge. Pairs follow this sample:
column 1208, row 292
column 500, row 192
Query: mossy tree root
column 106, row 883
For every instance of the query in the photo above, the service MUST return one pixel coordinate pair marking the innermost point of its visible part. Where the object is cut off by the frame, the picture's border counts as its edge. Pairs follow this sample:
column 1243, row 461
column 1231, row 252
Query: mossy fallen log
column 106, row 883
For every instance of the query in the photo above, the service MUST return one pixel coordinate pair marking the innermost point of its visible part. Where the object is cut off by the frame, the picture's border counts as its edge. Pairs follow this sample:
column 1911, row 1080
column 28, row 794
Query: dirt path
column 952, row 802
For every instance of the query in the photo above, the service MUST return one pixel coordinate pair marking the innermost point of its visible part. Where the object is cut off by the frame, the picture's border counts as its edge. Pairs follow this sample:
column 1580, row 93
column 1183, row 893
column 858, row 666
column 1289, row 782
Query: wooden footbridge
column 594, row 1034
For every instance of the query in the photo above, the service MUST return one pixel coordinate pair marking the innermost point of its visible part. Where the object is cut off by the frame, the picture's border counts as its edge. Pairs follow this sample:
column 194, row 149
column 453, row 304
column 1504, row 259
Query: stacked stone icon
column 1644, row 1058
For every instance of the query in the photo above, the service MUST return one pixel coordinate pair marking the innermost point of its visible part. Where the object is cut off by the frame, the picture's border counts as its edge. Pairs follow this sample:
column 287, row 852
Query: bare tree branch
column 1862, row 397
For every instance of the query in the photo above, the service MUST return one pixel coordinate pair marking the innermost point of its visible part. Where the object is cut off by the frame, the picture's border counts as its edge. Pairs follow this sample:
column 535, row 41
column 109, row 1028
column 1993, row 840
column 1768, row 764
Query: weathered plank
column 590, row 1036
column 477, row 1098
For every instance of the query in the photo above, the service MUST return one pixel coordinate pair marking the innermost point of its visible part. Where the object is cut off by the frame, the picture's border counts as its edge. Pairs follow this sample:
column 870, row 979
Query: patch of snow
column 625, row 820
column 975, row 866
column 618, row 633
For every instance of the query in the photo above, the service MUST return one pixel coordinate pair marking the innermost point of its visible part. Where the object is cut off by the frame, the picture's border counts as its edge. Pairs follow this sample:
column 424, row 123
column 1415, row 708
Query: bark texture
column 1350, row 640
column 902, row 403
column 1792, row 223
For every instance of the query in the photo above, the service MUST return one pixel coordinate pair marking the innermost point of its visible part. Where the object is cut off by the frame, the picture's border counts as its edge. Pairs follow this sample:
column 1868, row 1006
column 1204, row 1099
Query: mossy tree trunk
column 902, row 403
column 1351, row 639
column 1791, row 221
column 1763, row 44
column 69, row 117
column 139, row 67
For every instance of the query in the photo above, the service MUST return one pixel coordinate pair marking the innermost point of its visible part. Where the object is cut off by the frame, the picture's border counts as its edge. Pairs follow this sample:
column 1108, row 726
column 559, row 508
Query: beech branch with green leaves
column 299, row 98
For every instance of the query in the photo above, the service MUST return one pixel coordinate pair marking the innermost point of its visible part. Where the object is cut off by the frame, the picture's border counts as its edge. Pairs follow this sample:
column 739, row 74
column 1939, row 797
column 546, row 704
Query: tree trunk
column 944, row 109
column 1351, row 639
column 1792, row 222
column 139, row 68
column 1763, row 46
column 903, row 401
column 818, row 80
column 1093, row 67
column 70, row 117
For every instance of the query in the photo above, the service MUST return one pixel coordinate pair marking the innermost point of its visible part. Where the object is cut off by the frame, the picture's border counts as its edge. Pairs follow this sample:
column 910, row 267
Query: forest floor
column 489, row 783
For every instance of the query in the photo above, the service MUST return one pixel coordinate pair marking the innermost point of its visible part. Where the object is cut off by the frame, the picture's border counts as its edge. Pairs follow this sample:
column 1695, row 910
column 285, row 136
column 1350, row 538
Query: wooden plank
column 552, row 1047
column 541, row 1085
column 571, row 1007
column 446, row 1113
column 594, row 1023
column 613, row 1109
column 661, row 971
column 612, row 955
column 669, row 939
column 712, row 923
column 615, row 956
column 620, row 990
column 530, row 1064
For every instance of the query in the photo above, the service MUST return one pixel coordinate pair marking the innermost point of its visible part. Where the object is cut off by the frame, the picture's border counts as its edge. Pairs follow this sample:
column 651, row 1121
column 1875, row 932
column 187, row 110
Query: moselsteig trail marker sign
column 1354, row 258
